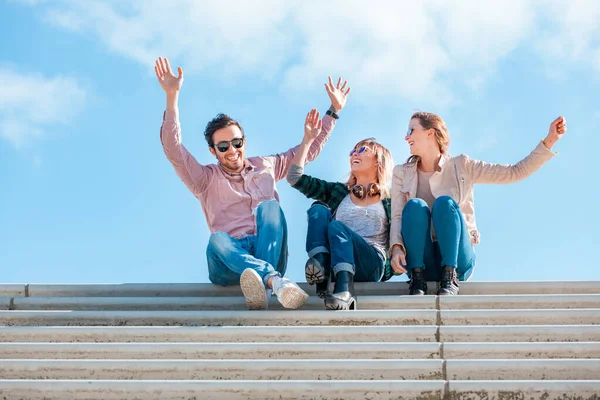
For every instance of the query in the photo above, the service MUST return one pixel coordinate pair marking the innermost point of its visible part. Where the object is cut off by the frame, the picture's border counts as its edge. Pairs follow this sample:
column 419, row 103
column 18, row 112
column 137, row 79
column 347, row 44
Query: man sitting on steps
column 248, row 243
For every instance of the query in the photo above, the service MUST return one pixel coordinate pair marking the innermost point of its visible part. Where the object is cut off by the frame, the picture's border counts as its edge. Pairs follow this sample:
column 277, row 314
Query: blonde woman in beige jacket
column 433, row 226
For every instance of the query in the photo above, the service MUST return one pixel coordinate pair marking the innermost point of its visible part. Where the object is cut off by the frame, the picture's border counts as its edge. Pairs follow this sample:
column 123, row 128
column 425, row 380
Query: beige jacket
column 455, row 178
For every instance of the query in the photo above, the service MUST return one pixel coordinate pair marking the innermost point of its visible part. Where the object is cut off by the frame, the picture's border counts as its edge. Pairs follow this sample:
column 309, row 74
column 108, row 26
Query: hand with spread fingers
column 558, row 127
column 337, row 93
column 312, row 125
column 168, row 81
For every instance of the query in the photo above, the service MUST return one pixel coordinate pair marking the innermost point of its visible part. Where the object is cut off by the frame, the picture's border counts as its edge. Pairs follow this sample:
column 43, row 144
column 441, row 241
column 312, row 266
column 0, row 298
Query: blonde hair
column 432, row 121
column 385, row 166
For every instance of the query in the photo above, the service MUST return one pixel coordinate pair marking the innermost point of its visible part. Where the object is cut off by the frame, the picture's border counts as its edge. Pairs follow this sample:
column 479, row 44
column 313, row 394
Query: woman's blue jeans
column 453, row 246
column 348, row 250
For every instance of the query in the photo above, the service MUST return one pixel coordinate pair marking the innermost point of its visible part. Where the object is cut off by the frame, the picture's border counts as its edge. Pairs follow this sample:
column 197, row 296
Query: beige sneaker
column 257, row 297
column 288, row 293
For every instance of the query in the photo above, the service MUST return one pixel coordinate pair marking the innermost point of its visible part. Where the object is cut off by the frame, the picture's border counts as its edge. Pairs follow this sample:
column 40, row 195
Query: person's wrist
column 332, row 112
column 549, row 142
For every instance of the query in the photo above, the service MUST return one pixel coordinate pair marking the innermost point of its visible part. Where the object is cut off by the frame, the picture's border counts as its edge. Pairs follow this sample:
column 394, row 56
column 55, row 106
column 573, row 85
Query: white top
column 369, row 222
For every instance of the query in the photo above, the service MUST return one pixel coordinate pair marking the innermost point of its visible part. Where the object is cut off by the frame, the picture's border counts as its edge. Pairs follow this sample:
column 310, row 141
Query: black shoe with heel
column 449, row 283
column 343, row 297
column 417, row 285
column 317, row 272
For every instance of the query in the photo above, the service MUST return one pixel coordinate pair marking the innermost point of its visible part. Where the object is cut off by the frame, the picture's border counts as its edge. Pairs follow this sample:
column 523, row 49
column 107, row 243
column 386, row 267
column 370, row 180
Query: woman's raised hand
column 169, row 82
column 558, row 127
column 312, row 125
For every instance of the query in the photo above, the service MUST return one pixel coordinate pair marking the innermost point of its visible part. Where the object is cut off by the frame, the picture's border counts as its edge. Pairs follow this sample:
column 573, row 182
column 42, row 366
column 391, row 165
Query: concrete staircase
column 518, row 340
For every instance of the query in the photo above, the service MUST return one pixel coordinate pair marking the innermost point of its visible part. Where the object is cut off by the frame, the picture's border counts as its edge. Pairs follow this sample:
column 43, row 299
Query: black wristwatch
column 333, row 114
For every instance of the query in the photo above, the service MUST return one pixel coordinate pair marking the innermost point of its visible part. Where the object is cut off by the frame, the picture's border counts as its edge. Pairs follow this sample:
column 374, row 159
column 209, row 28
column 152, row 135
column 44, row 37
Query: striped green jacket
column 332, row 194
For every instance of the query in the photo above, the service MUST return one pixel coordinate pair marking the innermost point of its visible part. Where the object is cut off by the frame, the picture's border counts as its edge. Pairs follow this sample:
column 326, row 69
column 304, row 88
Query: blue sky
column 87, row 194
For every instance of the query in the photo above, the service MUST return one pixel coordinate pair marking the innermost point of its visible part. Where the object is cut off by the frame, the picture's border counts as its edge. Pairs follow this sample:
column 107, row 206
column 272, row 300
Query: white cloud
column 421, row 51
column 30, row 103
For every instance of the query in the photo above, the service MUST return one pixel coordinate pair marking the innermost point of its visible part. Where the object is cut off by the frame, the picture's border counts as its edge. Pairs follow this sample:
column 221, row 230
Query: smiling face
column 418, row 138
column 363, row 162
column 232, row 160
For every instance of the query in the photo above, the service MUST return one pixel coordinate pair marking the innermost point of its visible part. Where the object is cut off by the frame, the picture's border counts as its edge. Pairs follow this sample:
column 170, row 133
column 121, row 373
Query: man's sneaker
column 257, row 297
column 417, row 285
column 449, row 283
column 288, row 293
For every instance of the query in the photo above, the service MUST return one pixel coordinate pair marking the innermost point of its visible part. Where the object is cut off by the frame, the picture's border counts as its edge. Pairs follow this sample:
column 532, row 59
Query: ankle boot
column 417, row 285
column 317, row 272
column 449, row 283
column 342, row 297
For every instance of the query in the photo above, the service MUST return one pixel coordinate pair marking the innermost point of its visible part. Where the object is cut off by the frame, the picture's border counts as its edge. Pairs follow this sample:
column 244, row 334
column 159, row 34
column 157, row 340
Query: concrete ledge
column 521, row 317
column 207, row 303
column 504, row 350
column 530, row 390
column 12, row 290
column 520, row 333
column 290, row 350
column 218, row 318
column 515, row 301
column 229, row 334
column 5, row 303
column 235, row 390
column 367, row 288
column 222, row 369
column 522, row 369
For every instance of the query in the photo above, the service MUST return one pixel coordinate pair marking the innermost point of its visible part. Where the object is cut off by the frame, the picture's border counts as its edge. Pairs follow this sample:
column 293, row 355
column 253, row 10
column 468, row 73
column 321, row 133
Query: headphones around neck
column 360, row 191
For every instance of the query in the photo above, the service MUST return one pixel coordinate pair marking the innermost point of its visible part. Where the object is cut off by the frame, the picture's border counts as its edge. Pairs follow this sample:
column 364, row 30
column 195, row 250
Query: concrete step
column 520, row 333
column 205, row 303
column 301, row 350
column 277, row 390
column 503, row 350
column 229, row 334
column 388, row 302
column 530, row 390
column 210, row 290
column 222, row 369
column 276, row 350
column 220, row 318
column 520, row 317
column 518, row 301
column 511, row 369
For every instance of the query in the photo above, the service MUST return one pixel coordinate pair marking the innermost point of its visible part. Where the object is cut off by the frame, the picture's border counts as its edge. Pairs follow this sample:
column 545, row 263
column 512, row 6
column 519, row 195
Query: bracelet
column 332, row 114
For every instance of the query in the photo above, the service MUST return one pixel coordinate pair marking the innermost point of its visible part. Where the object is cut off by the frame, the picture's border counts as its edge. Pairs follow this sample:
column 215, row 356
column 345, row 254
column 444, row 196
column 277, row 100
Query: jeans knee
column 334, row 227
column 318, row 211
column 443, row 204
column 219, row 243
column 269, row 209
column 415, row 207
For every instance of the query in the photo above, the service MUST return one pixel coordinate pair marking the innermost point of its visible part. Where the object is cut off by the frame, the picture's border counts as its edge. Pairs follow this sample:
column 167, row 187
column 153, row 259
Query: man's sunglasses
column 358, row 151
column 224, row 145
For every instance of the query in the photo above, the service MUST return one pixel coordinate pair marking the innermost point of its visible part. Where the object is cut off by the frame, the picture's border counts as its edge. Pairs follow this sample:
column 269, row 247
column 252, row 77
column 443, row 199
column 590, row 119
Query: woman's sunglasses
column 358, row 151
column 223, row 146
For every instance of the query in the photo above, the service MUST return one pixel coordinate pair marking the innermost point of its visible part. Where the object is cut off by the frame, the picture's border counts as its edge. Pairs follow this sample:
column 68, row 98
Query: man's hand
column 337, row 94
column 167, row 80
column 558, row 127
column 312, row 125
column 398, row 261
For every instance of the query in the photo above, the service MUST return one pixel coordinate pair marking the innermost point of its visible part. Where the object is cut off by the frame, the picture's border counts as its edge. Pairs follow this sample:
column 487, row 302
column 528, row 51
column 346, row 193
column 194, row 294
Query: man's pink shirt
column 229, row 201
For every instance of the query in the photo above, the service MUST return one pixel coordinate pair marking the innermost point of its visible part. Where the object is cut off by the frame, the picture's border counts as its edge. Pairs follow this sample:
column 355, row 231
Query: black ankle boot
column 417, row 285
column 342, row 297
column 449, row 283
column 317, row 272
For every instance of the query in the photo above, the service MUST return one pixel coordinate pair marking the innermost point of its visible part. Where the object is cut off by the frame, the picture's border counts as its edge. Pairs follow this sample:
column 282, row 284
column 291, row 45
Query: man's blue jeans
column 348, row 251
column 453, row 246
column 266, row 252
